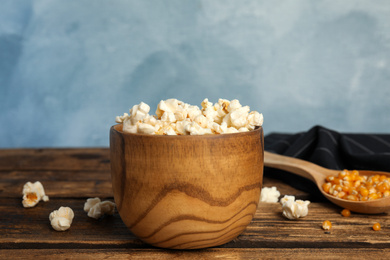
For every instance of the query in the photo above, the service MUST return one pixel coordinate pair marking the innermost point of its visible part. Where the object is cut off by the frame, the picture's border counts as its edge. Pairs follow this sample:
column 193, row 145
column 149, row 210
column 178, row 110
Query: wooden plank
column 85, row 183
column 30, row 228
column 210, row 253
column 58, row 184
column 70, row 176
column 84, row 171
column 55, row 159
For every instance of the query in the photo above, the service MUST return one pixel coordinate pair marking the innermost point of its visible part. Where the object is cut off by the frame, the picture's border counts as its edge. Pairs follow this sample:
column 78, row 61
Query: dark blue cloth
column 329, row 149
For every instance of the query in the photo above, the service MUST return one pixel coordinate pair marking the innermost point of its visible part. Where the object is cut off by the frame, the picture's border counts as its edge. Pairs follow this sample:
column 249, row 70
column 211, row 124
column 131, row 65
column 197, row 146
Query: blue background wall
column 67, row 68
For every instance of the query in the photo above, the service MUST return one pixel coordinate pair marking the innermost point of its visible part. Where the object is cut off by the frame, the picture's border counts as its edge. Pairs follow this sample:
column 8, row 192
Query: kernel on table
column 174, row 117
column 326, row 225
column 350, row 185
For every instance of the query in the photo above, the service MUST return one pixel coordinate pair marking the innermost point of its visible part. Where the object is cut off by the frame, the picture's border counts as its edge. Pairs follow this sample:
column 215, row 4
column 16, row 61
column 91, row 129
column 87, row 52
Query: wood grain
column 26, row 233
column 210, row 253
column 30, row 228
column 186, row 192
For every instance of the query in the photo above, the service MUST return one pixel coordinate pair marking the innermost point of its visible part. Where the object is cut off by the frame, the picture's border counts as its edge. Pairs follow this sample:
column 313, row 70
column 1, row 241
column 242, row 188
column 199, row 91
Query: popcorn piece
column 195, row 129
column 174, row 117
column 193, row 111
column 254, row 119
column 269, row 195
column 294, row 209
column 210, row 113
column 238, row 117
column 146, row 128
column 97, row 208
column 181, row 114
column 168, row 117
column 129, row 127
column 234, row 105
column 165, row 128
column 120, row 119
column 230, row 130
column 33, row 193
column 206, row 104
column 201, row 120
column 139, row 112
column 181, row 127
column 61, row 219
column 169, row 105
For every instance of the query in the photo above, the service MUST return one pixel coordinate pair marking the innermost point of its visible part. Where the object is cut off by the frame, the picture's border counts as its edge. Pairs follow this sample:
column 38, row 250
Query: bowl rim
column 258, row 129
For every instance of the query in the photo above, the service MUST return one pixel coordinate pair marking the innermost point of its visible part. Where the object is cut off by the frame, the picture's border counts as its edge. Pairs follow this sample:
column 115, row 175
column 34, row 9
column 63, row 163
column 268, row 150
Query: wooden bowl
column 186, row 192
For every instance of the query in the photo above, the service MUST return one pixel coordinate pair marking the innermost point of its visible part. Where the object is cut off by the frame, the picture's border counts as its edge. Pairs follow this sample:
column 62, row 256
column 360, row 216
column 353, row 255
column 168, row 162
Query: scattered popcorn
column 97, row 208
column 61, row 219
column 269, row 195
column 33, row 193
column 174, row 117
column 294, row 209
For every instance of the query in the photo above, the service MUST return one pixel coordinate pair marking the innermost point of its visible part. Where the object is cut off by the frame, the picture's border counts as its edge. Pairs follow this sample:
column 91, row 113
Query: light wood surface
column 71, row 176
column 187, row 192
column 317, row 174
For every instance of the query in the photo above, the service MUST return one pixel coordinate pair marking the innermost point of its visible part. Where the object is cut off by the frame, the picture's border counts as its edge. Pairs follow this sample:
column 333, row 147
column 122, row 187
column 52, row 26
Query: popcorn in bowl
column 174, row 117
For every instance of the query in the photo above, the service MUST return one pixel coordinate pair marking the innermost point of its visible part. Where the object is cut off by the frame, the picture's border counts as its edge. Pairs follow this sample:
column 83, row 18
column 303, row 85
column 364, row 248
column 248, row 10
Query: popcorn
column 269, row 195
column 169, row 105
column 254, row 119
column 61, row 219
column 97, row 208
column 144, row 128
column 174, row 117
column 193, row 111
column 294, row 209
column 33, row 193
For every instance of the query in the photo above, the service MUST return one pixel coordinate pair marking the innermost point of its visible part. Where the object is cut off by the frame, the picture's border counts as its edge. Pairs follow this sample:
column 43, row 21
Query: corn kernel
column 352, row 186
column 376, row 227
column 363, row 191
column 326, row 225
column 346, row 212
column 326, row 187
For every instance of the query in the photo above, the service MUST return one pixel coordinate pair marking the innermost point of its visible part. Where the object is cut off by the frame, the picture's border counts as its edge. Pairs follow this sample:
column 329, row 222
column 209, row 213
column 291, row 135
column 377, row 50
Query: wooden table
column 70, row 176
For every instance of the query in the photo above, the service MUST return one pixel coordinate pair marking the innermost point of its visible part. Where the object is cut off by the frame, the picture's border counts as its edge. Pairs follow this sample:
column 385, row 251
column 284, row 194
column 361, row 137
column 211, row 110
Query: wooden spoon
column 317, row 174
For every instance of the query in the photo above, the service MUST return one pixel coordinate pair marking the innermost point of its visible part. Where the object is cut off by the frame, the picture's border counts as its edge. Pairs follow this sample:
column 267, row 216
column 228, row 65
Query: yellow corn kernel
column 363, row 191
column 330, row 178
column 346, row 213
column 373, row 196
column 352, row 186
column 352, row 197
column 326, row 187
column 326, row 225
column 341, row 194
column 376, row 227
column 375, row 178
